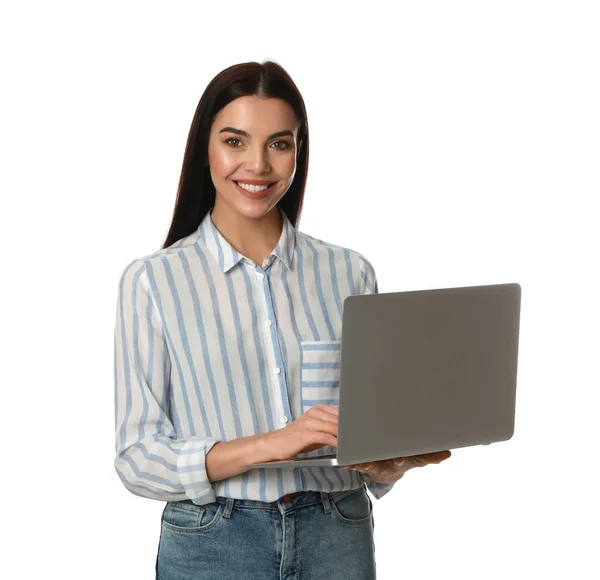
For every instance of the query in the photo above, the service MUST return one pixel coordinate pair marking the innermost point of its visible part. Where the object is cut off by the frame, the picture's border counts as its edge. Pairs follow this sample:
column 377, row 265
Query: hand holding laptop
column 391, row 470
column 319, row 426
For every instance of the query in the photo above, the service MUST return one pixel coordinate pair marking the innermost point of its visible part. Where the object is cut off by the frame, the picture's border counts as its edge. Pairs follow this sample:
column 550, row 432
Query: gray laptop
column 424, row 371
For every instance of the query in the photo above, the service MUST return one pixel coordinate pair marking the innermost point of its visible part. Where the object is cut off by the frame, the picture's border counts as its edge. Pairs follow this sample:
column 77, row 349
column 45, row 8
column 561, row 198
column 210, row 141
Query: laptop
column 423, row 371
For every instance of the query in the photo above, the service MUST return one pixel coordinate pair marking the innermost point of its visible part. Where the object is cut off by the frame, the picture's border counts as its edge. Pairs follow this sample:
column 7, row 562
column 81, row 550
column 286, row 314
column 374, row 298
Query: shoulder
column 140, row 265
column 357, row 259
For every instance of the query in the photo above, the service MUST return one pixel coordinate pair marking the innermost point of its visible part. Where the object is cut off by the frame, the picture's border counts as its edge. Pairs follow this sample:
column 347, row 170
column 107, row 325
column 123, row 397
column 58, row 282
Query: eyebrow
column 285, row 133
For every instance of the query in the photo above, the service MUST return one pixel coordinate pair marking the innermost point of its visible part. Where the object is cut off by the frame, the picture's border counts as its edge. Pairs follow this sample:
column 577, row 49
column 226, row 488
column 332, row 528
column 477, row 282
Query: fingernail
column 400, row 462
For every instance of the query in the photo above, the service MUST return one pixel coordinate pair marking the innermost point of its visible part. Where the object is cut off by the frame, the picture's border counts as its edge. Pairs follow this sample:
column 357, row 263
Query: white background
column 452, row 143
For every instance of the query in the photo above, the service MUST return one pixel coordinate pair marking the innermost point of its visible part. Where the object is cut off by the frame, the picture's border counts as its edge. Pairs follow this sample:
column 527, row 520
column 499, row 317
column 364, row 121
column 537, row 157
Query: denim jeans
column 313, row 536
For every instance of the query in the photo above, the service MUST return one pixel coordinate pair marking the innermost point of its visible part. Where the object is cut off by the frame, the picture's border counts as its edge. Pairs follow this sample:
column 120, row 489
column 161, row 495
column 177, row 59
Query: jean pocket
column 186, row 516
column 320, row 372
column 352, row 506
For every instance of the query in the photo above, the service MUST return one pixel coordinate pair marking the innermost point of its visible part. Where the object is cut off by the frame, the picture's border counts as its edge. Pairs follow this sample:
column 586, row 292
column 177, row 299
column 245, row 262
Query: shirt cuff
column 378, row 490
column 191, row 467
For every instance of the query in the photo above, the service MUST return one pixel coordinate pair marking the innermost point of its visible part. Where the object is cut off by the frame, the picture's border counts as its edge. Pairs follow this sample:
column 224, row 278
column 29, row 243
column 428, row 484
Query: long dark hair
column 196, row 192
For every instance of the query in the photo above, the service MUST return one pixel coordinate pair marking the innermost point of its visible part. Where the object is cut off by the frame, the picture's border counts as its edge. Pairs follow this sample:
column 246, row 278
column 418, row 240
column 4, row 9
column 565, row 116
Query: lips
column 250, row 183
column 254, row 194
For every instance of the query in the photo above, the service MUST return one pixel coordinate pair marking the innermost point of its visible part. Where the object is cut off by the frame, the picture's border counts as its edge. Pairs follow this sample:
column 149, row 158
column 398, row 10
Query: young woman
column 227, row 351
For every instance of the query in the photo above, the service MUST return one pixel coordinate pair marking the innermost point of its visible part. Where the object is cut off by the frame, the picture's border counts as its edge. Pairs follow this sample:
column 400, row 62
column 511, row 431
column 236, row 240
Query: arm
column 226, row 457
column 150, row 460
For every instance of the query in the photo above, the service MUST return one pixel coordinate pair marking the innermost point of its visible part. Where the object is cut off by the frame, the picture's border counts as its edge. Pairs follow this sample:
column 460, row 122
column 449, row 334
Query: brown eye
column 232, row 139
column 285, row 143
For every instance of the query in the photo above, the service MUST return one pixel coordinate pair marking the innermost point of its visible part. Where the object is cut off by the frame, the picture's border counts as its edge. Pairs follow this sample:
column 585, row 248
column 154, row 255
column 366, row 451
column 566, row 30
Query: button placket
column 284, row 414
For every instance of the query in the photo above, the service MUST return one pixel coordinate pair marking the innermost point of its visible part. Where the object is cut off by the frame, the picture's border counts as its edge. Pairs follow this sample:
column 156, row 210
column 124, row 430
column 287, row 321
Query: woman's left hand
column 391, row 470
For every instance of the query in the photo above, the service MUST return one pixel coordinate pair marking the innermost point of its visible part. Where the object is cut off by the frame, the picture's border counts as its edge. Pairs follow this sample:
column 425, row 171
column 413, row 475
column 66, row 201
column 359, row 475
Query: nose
column 258, row 160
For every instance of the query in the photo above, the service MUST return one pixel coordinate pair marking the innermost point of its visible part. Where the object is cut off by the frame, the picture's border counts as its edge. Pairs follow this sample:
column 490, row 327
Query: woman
column 219, row 335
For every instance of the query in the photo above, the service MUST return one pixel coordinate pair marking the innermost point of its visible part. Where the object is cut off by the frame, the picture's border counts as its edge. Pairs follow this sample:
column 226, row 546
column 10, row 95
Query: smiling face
column 252, row 140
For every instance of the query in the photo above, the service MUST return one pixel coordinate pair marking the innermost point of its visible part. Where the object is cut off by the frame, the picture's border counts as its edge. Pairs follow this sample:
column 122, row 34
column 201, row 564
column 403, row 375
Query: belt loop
column 326, row 503
column 228, row 507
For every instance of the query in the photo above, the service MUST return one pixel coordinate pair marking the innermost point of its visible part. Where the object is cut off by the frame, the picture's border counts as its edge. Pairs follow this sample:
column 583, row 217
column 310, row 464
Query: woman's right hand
column 315, row 428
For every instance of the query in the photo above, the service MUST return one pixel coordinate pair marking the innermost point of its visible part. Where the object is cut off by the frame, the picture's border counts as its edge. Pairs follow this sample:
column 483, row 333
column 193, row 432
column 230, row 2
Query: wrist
column 264, row 448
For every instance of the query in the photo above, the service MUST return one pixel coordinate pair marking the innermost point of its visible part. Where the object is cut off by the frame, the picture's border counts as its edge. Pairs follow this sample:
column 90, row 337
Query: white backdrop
column 452, row 143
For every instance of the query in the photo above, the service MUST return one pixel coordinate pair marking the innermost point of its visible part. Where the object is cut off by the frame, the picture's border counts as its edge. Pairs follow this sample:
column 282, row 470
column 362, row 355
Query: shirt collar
column 227, row 256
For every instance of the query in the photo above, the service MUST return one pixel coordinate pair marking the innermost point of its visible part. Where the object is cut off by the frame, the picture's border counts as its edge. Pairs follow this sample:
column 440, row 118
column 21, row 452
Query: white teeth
column 253, row 188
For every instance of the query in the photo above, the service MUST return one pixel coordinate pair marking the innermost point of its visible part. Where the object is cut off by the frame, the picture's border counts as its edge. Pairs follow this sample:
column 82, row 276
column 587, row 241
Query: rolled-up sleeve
column 369, row 286
column 150, row 460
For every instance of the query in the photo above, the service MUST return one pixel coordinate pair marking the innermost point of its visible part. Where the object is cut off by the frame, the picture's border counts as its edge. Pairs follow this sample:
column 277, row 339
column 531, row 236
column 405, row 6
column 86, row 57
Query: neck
column 253, row 237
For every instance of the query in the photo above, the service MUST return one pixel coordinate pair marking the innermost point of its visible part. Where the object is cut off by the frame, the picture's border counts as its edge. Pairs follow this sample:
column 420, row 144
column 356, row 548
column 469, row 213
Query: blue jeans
column 313, row 536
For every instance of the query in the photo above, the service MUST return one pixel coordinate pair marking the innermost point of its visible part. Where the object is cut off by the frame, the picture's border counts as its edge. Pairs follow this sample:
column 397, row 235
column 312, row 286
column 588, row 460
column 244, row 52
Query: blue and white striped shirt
column 210, row 346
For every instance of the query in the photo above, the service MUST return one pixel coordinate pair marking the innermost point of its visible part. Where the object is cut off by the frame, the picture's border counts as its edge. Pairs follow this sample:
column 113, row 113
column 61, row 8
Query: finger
column 437, row 456
column 389, row 465
column 324, row 424
column 379, row 469
column 427, row 459
column 395, row 467
column 326, row 411
column 398, row 463
column 331, row 408
column 367, row 467
column 323, row 438
column 363, row 467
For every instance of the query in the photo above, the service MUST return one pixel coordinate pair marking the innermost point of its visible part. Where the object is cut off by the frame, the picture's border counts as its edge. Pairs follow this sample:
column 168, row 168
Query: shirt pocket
column 320, row 372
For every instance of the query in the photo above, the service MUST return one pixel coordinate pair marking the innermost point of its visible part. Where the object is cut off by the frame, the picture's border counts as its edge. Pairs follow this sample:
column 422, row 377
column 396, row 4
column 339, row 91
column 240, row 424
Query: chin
column 251, row 208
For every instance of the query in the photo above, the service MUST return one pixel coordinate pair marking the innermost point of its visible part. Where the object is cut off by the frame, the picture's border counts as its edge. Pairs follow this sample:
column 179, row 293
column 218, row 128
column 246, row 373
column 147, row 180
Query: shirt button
column 284, row 419
column 269, row 323
column 260, row 275
column 277, row 370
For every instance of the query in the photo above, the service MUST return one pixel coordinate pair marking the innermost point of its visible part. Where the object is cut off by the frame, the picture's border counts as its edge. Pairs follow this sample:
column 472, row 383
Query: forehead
column 256, row 115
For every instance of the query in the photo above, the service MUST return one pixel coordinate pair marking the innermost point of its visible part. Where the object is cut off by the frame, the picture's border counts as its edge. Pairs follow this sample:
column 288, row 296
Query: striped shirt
column 210, row 346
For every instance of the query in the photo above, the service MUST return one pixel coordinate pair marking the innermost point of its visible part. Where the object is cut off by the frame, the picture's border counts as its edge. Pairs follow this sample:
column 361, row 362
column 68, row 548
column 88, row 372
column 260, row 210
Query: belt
column 289, row 496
